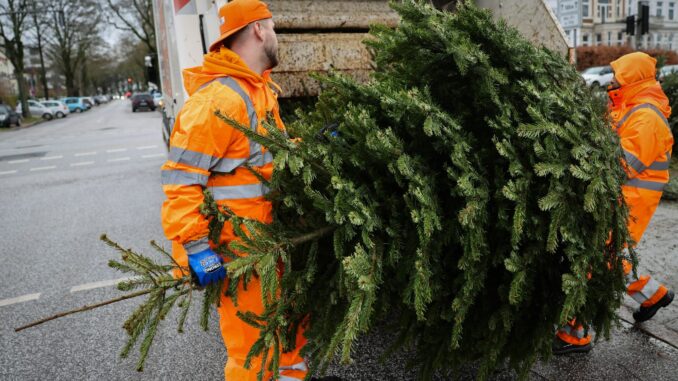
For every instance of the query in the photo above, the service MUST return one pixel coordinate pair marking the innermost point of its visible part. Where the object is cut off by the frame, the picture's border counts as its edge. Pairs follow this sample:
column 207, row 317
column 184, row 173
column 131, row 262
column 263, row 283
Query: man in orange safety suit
column 639, row 110
column 208, row 153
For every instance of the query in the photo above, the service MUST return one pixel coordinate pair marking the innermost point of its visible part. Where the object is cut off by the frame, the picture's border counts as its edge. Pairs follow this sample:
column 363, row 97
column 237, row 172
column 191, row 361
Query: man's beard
column 272, row 55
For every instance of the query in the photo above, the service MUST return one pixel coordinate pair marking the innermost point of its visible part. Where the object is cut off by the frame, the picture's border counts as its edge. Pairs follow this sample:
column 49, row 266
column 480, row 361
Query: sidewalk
column 647, row 351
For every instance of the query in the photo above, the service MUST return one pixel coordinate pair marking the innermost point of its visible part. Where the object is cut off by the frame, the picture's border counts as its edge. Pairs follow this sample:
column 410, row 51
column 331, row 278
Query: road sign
column 569, row 14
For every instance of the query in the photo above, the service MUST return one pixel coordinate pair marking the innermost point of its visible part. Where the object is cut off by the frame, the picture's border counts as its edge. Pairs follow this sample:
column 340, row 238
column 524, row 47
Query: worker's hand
column 207, row 267
column 331, row 129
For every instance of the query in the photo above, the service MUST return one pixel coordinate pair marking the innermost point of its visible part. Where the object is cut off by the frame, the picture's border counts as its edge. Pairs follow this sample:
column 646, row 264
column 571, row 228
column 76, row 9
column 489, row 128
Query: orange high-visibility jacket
column 639, row 109
column 206, row 152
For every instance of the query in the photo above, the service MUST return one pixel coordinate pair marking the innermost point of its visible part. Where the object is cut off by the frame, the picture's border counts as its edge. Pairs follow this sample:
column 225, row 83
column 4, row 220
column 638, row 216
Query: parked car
column 89, row 101
column 157, row 99
column 142, row 100
column 60, row 109
column 9, row 117
column 37, row 109
column 101, row 99
column 75, row 104
column 598, row 76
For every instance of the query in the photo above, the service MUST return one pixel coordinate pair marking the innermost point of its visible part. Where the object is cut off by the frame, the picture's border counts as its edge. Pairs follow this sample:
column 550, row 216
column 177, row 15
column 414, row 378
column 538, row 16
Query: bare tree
column 136, row 17
column 40, row 20
column 74, row 37
column 13, row 15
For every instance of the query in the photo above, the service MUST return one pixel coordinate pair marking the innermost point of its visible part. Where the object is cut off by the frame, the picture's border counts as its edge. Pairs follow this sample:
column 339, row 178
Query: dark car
column 142, row 100
column 9, row 117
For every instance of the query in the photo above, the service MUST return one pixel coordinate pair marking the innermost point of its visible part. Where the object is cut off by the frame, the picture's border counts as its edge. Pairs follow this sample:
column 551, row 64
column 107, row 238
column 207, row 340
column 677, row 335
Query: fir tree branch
column 84, row 308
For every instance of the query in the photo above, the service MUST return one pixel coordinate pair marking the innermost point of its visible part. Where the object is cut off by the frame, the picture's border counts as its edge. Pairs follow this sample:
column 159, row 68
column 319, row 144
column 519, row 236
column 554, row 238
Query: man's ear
column 258, row 30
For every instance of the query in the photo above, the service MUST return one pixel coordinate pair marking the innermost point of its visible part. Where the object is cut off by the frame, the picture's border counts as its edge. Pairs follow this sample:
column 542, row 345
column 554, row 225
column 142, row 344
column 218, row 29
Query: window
column 609, row 38
column 618, row 8
column 585, row 39
column 660, row 5
column 620, row 38
column 585, row 10
column 599, row 38
column 671, row 10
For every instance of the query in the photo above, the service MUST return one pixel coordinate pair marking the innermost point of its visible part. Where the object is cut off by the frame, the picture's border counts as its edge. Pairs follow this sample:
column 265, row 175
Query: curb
column 7, row 129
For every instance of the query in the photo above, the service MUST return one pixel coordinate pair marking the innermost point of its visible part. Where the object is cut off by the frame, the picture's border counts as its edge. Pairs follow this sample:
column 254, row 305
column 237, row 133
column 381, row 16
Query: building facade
column 7, row 80
column 603, row 22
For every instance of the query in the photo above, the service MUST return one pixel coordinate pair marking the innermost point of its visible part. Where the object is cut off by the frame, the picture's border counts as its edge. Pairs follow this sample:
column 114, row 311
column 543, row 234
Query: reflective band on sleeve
column 197, row 246
column 298, row 366
column 179, row 177
column 579, row 333
column 644, row 184
column 634, row 162
column 192, row 158
column 648, row 291
column 228, row 165
column 236, row 192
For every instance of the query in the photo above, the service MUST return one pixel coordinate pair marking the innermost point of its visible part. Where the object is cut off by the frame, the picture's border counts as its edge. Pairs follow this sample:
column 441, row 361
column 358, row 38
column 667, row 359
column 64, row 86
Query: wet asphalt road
column 65, row 182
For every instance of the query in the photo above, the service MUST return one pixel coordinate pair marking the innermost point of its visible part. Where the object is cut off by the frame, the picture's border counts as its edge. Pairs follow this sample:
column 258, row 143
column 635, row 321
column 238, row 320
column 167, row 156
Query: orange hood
column 636, row 73
column 221, row 63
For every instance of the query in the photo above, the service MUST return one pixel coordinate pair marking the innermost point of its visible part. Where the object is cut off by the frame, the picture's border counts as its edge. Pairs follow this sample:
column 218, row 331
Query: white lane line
column 18, row 161
column 116, row 150
column 85, row 154
column 52, row 157
column 119, row 159
column 152, row 156
column 146, row 147
column 7, row 172
column 100, row 284
column 82, row 163
column 42, row 168
column 19, row 299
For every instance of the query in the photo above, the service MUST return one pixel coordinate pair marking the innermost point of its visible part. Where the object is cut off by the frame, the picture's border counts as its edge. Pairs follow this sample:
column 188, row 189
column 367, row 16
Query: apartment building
column 603, row 22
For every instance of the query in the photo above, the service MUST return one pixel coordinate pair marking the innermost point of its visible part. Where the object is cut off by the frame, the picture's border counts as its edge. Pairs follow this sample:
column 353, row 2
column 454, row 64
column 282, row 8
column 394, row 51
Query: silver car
column 59, row 108
column 38, row 110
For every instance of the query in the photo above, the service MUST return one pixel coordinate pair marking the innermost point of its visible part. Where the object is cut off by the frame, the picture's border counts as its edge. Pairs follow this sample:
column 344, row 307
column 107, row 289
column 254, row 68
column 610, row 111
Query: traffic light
column 631, row 25
column 644, row 19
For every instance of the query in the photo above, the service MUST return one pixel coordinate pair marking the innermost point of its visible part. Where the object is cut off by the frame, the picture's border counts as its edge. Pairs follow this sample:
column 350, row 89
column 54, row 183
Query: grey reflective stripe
column 197, row 246
column 298, row 366
column 235, row 192
column 578, row 333
column 644, row 106
column 227, row 165
column 661, row 165
column 648, row 291
column 192, row 158
column 634, row 162
column 255, row 148
column 179, row 177
column 645, row 184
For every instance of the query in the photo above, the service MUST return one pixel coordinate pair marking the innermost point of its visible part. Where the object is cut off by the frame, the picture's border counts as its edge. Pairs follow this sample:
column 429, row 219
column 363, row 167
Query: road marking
column 18, row 161
column 42, row 168
column 146, row 147
column 116, row 150
column 119, row 159
column 52, row 157
column 85, row 154
column 152, row 156
column 82, row 163
column 100, row 284
column 19, row 299
column 7, row 172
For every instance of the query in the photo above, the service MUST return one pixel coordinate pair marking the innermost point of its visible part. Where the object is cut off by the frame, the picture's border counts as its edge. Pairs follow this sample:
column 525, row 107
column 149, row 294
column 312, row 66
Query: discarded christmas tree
column 469, row 195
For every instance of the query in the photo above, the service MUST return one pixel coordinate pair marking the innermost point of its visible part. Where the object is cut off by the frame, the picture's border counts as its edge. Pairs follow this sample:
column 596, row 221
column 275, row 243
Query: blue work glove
column 207, row 267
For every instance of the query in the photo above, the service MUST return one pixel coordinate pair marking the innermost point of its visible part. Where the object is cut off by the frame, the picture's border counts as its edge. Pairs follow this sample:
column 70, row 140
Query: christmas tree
column 469, row 194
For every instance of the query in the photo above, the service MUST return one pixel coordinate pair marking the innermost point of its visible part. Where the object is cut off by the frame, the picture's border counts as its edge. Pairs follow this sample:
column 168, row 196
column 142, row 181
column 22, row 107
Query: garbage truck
column 314, row 36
